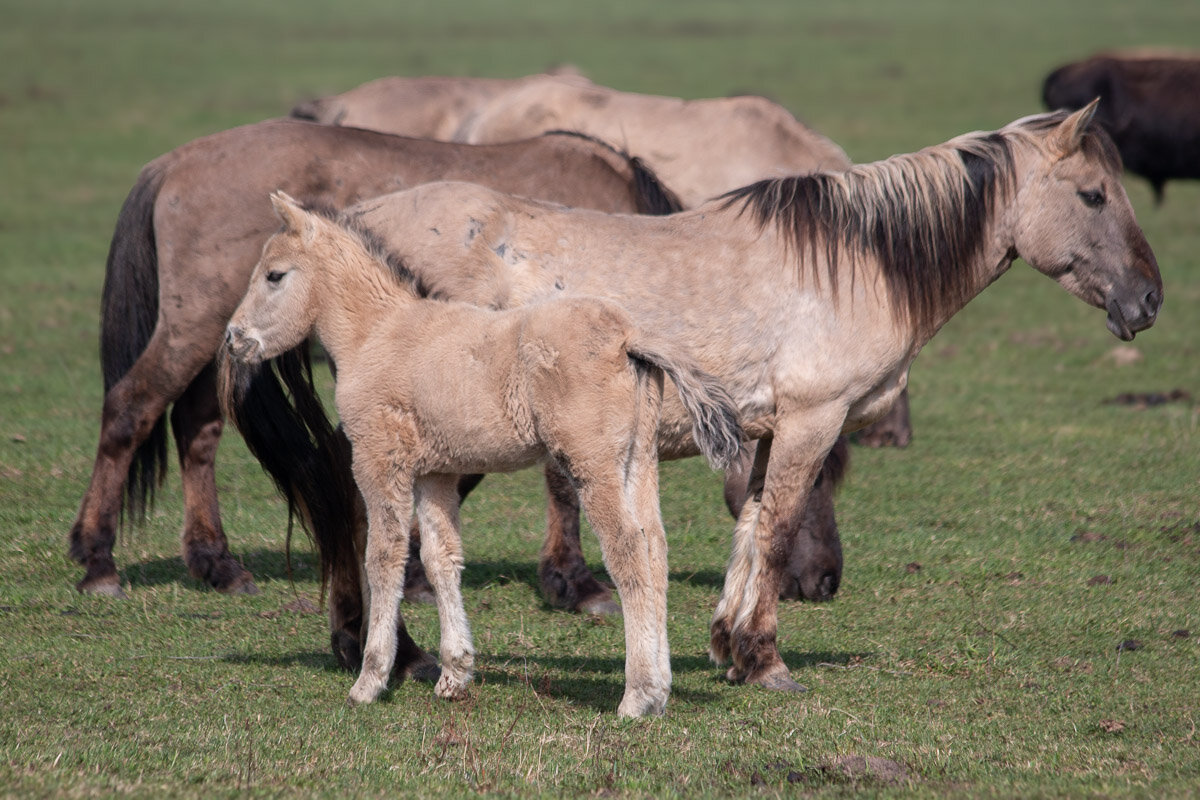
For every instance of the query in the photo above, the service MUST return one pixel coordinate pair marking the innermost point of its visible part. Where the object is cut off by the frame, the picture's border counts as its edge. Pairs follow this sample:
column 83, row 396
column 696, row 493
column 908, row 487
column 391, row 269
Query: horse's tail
column 650, row 196
column 708, row 403
column 276, row 408
column 128, row 313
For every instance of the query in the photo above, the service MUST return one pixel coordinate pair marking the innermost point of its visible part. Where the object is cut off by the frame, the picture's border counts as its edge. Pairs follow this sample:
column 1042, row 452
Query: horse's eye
column 274, row 276
column 1091, row 199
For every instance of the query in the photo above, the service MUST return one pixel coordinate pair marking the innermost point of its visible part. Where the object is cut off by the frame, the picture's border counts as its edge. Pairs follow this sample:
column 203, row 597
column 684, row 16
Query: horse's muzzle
column 1127, row 316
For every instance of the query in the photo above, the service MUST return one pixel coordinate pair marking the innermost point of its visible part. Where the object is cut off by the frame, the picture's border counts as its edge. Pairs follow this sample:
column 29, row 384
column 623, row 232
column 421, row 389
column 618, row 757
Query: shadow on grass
column 264, row 565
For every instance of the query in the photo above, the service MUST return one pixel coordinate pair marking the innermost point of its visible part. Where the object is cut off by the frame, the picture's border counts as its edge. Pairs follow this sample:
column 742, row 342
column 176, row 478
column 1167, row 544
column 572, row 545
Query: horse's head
column 1075, row 223
column 279, row 308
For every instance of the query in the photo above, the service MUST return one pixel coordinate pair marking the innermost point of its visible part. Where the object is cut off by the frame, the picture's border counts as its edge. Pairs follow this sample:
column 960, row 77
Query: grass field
column 994, row 569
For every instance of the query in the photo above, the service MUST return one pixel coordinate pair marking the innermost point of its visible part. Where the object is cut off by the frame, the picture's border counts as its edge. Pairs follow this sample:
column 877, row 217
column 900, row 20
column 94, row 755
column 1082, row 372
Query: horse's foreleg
column 749, row 611
column 196, row 422
column 815, row 567
column 565, row 579
column 737, row 572
column 441, row 549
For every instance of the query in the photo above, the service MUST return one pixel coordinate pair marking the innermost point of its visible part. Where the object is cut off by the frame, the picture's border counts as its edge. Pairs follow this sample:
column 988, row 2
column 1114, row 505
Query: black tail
column 281, row 417
column 128, row 312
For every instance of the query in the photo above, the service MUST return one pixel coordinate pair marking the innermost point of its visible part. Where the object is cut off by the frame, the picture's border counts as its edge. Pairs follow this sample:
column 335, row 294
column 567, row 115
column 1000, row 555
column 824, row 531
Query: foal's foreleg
column 389, row 509
column 441, row 550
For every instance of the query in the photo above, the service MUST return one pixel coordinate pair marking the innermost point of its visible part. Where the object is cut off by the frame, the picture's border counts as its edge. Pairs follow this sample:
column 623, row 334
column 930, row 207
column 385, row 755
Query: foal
column 430, row 390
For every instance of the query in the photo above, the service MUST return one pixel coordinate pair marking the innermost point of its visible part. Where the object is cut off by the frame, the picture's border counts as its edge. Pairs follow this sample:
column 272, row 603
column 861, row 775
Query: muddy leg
column 197, row 423
column 565, row 579
column 745, row 625
column 132, row 408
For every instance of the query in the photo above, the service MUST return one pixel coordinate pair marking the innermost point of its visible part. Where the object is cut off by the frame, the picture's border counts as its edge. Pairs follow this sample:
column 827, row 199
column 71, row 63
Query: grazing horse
column 430, row 390
column 1149, row 104
column 808, row 297
column 700, row 148
column 185, row 242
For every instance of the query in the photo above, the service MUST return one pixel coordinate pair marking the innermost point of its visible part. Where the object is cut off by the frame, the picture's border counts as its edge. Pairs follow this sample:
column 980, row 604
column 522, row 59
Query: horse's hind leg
column 132, row 407
column 565, row 579
column 196, row 422
column 634, row 553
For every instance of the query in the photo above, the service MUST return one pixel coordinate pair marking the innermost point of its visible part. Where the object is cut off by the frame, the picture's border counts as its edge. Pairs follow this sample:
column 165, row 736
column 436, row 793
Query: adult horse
column 700, row 148
column 808, row 296
column 186, row 239
column 429, row 390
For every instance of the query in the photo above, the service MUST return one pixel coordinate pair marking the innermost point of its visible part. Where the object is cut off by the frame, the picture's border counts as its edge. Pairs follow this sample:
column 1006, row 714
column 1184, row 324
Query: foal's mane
column 374, row 244
column 923, row 216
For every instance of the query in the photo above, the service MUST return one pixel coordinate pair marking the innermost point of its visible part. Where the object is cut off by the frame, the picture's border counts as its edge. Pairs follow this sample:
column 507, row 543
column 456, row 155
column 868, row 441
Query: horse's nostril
column 1153, row 298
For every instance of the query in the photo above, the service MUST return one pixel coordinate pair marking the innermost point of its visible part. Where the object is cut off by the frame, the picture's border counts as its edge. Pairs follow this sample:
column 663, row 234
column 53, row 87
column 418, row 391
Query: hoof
column 424, row 669
column 106, row 587
column 777, row 681
column 244, row 584
column 347, row 650
column 601, row 605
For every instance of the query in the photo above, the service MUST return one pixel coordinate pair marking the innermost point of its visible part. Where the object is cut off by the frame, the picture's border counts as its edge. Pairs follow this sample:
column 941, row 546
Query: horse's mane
column 923, row 216
column 374, row 244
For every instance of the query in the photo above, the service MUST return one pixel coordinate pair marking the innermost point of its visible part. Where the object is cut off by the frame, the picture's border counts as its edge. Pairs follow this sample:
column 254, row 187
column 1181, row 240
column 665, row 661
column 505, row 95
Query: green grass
column 992, row 569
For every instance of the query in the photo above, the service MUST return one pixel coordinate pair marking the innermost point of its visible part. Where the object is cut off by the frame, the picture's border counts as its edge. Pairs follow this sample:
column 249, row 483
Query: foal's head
column 1075, row 223
column 281, row 305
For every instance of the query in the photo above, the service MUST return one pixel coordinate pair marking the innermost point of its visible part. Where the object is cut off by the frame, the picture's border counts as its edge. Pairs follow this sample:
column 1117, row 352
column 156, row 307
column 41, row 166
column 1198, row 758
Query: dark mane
column 653, row 198
column 923, row 216
column 374, row 244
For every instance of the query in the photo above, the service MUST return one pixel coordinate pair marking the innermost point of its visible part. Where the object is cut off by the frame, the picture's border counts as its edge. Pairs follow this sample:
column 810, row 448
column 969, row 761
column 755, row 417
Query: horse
column 429, row 390
column 1149, row 104
column 186, row 239
column 807, row 296
column 700, row 148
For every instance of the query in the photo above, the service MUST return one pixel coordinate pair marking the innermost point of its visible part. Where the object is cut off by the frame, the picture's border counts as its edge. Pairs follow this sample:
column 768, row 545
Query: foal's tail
column 128, row 313
column 712, row 409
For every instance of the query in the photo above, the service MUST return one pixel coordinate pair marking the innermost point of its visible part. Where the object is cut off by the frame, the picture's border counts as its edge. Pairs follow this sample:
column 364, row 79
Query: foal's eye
column 1091, row 199
column 274, row 276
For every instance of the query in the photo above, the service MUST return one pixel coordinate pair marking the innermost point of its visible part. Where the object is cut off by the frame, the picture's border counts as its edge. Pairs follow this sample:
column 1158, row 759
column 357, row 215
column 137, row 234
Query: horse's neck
column 355, row 295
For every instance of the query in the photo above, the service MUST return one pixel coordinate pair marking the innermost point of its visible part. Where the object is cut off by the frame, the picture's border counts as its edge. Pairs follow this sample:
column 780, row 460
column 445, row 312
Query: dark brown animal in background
column 1149, row 104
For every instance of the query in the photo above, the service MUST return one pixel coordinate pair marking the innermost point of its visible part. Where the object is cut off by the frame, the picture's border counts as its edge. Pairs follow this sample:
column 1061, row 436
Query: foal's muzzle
column 240, row 346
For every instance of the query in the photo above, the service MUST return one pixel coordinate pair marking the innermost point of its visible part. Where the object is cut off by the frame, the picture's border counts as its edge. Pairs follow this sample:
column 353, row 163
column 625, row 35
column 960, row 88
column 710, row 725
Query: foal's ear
column 1069, row 133
column 295, row 219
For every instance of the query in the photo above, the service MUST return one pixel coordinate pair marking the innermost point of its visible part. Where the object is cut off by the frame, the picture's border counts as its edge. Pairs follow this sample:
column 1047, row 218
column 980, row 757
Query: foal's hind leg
column 565, row 579
column 437, row 500
column 196, row 422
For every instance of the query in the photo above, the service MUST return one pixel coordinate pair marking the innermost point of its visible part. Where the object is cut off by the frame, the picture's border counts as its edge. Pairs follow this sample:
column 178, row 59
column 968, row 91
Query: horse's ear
column 295, row 219
column 1069, row 134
